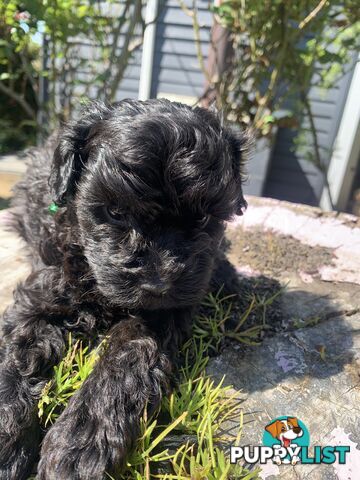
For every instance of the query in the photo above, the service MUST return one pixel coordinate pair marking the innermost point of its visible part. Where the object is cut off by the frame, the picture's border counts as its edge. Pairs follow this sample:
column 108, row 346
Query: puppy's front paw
column 70, row 452
column 77, row 446
column 17, row 455
column 295, row 460
column 19, row 438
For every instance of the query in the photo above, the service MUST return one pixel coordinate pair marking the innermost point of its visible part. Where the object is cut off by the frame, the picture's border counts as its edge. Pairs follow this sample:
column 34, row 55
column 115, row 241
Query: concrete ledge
column 13, row 263
column 12, row 164
column 12, row 167
column 310, row 367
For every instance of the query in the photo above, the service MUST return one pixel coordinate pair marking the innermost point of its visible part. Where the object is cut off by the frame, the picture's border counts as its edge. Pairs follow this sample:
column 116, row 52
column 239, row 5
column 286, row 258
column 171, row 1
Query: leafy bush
column 281, row 49
column 17, row 97
column 40, row 45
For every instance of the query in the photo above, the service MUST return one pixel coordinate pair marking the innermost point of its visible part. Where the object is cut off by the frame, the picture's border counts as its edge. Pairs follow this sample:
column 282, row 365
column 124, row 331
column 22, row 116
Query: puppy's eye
column 114, row 214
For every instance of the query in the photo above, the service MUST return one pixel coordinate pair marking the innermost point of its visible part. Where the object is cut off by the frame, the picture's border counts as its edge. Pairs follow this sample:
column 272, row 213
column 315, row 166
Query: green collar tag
column 53, row 208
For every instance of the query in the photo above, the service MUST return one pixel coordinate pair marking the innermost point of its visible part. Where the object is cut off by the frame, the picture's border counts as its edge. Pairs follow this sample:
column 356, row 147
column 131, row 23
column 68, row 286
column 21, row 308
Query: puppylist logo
column 286, row 441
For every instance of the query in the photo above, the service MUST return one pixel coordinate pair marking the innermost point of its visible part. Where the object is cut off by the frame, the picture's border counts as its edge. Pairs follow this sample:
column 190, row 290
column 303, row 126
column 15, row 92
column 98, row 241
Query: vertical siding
column 176, row 65
column 292, row 177
column 177, row 75
column 88, row 53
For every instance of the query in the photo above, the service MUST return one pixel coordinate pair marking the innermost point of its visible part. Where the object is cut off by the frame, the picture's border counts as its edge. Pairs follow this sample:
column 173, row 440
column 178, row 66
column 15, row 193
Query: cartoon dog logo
column 285, row 431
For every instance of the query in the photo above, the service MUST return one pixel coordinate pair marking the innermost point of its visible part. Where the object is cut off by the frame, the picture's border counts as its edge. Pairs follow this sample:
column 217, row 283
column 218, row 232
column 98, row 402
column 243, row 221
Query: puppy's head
column 152, row 184
column 285, row 430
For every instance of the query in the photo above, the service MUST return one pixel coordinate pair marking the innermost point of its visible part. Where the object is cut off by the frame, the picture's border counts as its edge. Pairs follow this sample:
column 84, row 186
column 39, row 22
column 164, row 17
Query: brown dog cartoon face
column 285, row 430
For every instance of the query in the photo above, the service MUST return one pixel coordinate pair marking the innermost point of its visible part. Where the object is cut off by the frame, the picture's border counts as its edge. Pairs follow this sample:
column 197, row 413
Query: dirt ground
column 271, row 253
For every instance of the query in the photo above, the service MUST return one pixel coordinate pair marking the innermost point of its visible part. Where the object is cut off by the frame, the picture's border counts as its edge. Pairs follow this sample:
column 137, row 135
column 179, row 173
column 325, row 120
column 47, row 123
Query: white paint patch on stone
column 268, row 470
column 351, row 469
column 339, row 273
column 306, row 277
column 5, row 218
column 247, row 271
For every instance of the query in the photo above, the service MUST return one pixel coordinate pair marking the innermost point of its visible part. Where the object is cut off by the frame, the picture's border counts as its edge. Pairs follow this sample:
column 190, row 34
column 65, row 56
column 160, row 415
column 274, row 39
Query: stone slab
column 310, row 368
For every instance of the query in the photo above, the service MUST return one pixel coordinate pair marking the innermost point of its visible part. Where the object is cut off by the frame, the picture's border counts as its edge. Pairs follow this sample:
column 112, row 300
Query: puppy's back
column 31, row 216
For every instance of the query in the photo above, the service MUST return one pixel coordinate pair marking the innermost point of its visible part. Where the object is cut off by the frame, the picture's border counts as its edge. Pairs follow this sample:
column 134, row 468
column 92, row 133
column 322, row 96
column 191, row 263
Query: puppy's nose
column 156, row 288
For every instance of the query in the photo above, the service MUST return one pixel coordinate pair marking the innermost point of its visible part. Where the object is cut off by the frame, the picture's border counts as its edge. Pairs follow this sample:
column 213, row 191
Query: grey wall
column 176, row 65
column 88, row 53
column 291, row 176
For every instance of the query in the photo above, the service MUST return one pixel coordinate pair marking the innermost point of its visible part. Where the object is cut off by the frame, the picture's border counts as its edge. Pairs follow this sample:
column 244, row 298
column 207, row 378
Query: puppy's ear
column 240, row 143
column 293, row 421
column 69, row 157
column 274, row 428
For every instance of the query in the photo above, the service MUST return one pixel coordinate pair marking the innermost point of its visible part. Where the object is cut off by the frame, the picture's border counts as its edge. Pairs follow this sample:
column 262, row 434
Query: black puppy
column 144, row 190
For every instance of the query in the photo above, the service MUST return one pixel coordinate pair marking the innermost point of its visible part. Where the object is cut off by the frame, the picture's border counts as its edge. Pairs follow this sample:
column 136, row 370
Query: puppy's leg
column 31, row 347
column 101, row 421
column 224, row 277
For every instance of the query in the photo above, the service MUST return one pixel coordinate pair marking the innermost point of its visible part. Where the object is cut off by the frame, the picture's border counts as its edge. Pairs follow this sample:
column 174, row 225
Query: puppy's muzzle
column 157, row 288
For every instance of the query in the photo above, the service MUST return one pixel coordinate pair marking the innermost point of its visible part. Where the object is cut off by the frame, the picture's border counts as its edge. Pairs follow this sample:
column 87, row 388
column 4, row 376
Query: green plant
column 40, row 42
column 68, row 377
column 191, row 446
column 280, row 49
column 17, row 98
column 185, row 439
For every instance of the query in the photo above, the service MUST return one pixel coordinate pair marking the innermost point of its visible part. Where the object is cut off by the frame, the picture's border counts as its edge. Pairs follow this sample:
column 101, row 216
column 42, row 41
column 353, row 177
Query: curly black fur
column 144, row 190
